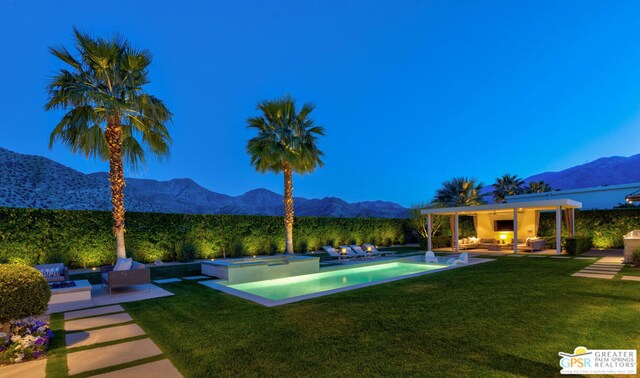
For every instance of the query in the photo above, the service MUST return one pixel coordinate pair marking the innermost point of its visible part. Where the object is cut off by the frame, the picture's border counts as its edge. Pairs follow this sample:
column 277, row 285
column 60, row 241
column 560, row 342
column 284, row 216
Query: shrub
column 635, row 258
column 578, row 244
column 85, row 238
column 23, row 292
column 186, row 252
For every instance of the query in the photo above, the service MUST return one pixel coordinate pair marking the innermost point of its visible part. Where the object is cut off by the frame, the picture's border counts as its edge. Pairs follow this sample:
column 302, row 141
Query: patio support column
column 455, row 230
column 429, row 232
column 515, row 231
column 558, row 230
column 573, row 222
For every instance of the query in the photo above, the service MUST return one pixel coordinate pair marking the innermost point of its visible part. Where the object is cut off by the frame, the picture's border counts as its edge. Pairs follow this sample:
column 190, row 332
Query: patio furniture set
column 125, row 272
column 529, row 244
column 349, row 252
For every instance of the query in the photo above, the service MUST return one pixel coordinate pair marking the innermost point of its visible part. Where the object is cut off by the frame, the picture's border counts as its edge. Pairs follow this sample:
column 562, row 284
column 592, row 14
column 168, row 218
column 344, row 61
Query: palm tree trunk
column 288, row 206
column 116, row 178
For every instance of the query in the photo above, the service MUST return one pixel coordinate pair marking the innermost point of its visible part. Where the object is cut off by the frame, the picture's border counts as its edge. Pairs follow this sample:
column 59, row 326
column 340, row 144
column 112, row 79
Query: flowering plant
column 27, row 339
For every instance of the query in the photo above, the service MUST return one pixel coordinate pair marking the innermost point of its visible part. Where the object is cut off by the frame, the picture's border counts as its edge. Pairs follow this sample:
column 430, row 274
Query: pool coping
column 217, row 285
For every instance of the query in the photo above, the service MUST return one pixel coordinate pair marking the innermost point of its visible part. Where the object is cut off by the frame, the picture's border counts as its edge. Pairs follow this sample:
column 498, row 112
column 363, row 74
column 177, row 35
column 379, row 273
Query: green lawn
column 503, row 318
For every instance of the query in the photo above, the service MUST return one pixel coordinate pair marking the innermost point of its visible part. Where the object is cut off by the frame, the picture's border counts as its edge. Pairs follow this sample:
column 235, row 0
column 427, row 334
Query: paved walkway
column 106, row 337
column 605, row 268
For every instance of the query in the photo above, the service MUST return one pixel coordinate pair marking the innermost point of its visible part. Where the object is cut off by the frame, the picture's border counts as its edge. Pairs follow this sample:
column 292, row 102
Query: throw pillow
column 123, row 264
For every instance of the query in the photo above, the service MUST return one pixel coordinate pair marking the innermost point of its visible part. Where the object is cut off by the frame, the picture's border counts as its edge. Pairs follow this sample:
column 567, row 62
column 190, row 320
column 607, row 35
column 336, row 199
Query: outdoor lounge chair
column 54, row 272
column 430, row 257
column 463, row 259
column 345, row 249
column 335, row 254
column 372, row 249
column 360, row 252
column 125, row 273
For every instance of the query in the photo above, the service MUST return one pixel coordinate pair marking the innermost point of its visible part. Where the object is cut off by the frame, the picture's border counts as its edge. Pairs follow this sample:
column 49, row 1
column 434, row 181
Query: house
column 599, row 197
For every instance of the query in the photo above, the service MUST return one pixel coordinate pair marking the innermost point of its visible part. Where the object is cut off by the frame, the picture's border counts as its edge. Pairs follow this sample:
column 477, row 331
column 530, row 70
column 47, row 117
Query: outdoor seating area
column 352, row 252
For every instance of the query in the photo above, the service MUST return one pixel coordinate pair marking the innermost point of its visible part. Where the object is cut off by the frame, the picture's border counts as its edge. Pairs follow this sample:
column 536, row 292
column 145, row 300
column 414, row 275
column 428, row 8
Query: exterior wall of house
column 601, row 197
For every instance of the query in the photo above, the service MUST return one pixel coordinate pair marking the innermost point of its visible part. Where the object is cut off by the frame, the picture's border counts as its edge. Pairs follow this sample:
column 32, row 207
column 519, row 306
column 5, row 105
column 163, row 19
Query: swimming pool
column 291, row 289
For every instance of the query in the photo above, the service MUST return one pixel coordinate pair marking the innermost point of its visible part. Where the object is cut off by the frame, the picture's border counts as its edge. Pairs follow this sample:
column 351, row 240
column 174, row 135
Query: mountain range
column 39, row 182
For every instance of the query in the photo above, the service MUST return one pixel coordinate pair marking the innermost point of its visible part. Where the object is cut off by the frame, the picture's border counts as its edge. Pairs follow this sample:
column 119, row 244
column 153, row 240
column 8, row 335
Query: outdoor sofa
column 125, row 273
column 468, row 243
column 54, row 272
column 531, row 244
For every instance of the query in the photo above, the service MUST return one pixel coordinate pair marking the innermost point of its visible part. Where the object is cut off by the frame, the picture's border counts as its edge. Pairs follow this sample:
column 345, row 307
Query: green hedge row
column 578, row 244
column 606, row 227
column 85, row 238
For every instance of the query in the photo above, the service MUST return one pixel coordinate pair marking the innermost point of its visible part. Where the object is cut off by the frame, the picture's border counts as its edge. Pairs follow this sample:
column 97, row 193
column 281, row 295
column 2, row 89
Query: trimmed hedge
column 578, row 244
column 85, row 238
column 606, row 227
column 23, row 292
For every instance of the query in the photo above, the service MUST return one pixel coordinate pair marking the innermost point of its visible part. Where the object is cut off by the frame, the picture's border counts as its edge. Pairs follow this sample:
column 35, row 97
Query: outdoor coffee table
column 80, row 292
column 494, row 247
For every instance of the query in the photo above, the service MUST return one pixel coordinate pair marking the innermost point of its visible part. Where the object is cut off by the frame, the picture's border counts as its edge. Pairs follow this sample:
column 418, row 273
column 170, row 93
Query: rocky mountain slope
column 38, row 182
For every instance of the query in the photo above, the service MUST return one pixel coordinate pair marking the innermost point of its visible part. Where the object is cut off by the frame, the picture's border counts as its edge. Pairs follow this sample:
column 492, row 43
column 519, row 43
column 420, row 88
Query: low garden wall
column 85, row 238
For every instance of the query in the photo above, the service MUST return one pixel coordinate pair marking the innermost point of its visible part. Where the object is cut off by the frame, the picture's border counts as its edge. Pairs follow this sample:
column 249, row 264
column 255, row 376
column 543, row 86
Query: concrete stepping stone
column 103, row 335
column 515, row 255
column 99, row 321
column 167, row 280
column 586, row 258
column 596, row 271
column 536, row 256
column 162, row 368
column 611, row 260
column 591, row 275
column 631, row 278
column 603, row 268
column 560, row 257
column 30, row 369
column 608, row 266
column 92, row 312
column 195, row 277
column 98, row 358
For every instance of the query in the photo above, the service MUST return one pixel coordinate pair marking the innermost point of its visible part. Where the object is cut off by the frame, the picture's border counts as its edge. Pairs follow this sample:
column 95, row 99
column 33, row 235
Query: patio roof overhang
column 553, row 204
column 560, row 205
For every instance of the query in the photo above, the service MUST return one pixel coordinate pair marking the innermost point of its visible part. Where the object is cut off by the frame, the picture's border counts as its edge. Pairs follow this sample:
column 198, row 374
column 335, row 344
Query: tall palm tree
column 538, row 187
column 108, row 114
column 507, row 185
column 460, row 191
column 286, row 142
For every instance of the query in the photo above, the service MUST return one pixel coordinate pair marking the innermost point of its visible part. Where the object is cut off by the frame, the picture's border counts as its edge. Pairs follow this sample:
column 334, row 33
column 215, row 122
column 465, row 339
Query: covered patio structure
column 501, row 220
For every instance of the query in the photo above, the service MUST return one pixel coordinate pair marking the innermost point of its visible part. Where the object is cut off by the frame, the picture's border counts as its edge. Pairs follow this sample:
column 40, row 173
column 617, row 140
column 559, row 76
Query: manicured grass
column 507, row 317
column 628, row 270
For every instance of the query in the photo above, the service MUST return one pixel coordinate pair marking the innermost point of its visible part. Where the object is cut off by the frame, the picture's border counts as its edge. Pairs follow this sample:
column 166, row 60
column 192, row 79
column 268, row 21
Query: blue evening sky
column 411, row 93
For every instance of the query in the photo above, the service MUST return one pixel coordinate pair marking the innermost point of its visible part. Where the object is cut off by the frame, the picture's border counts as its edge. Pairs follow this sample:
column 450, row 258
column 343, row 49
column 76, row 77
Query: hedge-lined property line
column 85, row 238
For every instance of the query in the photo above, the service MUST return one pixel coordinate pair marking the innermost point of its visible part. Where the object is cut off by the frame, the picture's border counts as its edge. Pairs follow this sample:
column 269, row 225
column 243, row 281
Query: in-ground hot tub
column 260, row 268
column 631, row 244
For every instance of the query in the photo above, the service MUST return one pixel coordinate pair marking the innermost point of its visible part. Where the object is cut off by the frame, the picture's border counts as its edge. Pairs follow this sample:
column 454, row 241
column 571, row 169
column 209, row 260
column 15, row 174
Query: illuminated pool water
column 289, row 287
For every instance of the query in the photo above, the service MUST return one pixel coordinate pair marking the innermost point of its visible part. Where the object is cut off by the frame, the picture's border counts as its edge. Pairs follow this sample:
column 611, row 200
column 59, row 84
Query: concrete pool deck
column 220, row 284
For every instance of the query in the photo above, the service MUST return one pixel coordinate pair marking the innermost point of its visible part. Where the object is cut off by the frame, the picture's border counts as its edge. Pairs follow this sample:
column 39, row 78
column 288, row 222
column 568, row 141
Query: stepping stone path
column 167, row 280
column 631, row 278
column 195, row 277
column 92, row 327
column 606, row 268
